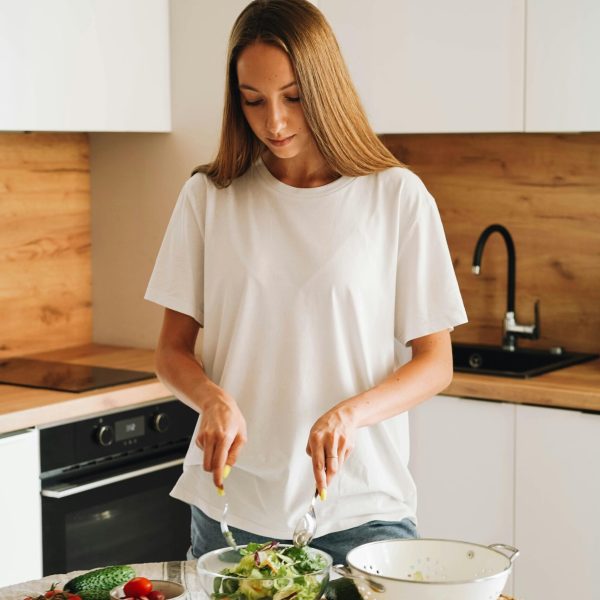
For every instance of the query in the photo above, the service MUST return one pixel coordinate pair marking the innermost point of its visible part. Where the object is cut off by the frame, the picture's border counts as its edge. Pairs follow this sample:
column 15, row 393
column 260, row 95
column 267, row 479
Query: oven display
column 129, row 428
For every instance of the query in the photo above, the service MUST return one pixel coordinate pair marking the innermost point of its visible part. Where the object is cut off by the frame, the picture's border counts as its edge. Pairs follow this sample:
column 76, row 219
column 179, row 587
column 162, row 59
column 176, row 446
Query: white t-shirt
column 307, row 297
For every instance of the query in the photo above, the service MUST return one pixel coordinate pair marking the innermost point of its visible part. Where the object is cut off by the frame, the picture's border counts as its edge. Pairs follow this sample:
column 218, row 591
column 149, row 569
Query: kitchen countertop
column 181, row 571
column 576, row 387
column 22, row 407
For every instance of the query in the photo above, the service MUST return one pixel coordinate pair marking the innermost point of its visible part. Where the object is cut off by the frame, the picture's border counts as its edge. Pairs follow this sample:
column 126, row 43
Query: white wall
column 136, row 177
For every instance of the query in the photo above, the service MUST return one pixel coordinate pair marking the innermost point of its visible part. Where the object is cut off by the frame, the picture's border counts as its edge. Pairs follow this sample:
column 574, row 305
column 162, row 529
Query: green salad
column 268, row 571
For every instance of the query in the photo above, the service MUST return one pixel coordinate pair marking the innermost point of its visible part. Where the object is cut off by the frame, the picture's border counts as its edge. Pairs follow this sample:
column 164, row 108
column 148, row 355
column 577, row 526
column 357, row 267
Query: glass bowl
column 309, row 586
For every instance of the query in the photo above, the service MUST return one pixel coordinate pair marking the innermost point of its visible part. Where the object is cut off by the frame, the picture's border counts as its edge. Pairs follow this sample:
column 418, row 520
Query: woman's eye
column 297, row 99
column 252, row 103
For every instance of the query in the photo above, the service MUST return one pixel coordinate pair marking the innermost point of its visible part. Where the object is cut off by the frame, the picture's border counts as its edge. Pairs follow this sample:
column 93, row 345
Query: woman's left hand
column 330, row 441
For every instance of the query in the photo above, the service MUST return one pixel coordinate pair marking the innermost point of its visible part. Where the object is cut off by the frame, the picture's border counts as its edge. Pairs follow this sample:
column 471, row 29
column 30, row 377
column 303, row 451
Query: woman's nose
column 276, row 119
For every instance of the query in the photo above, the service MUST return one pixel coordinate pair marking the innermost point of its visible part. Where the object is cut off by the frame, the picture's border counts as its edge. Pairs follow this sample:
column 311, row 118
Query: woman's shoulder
column 401, row 185
column 199, row 183
column 401, row 176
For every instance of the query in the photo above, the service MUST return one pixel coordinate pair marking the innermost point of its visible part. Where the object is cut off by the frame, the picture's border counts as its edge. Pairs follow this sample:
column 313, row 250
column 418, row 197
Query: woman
column 318, row 268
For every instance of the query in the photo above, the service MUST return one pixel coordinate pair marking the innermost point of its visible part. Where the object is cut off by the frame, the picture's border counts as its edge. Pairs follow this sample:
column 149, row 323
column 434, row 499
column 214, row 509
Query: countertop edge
column 103, row 401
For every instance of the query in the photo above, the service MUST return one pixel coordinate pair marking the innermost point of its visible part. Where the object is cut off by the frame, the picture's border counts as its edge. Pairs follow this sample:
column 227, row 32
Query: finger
column 238, row 442
column 218, row 461
column 343, row 457
column 332, row 466
column 208, row 454
column 319, row 473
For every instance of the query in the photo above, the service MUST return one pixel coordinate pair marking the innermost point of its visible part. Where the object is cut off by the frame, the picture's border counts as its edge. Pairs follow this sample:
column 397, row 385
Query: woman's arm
column 222, row 427
column 331, row 438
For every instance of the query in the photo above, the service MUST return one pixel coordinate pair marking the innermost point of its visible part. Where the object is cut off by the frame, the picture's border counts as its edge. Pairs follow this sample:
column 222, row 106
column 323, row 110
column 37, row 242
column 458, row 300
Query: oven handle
column 64, row 490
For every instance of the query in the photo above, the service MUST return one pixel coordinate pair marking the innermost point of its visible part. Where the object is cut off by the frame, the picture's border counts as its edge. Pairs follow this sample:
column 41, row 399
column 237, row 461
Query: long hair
column 329, row 100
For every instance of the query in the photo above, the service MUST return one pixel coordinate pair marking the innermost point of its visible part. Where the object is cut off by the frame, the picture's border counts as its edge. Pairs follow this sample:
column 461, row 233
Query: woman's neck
column 300, row 172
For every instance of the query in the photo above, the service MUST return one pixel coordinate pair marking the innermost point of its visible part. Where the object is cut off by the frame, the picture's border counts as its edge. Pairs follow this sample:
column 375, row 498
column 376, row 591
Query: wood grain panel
column 545, row 189
column 45, row 242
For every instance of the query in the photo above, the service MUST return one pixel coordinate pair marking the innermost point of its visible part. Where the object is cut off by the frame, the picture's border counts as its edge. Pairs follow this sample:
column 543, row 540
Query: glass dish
column 309, row 586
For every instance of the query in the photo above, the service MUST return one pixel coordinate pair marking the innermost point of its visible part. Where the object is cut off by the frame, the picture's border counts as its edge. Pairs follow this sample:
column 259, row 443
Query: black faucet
column 511, row 329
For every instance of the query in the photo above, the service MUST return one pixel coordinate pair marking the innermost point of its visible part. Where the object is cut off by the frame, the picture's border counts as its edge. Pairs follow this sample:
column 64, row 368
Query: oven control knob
column 160, row 422
column 104, row 435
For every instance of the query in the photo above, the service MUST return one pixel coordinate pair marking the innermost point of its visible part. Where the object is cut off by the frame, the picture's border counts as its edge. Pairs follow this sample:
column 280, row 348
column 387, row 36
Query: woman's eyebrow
column 244, row 86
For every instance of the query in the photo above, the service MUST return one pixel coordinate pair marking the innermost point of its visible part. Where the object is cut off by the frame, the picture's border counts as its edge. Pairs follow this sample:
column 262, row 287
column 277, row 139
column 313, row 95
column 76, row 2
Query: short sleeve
column 177, row 281
column 427, row 294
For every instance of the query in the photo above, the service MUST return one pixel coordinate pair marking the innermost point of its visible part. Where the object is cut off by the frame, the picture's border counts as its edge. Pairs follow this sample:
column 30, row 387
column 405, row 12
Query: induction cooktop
column 64, row 377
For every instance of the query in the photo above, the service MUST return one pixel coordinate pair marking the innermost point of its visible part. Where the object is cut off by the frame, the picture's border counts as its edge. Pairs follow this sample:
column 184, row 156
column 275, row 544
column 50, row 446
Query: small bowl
column 215, row 585
column 171, row 589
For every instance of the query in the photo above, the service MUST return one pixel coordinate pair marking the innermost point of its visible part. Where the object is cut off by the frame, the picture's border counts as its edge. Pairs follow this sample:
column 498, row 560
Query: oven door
column 118, row 517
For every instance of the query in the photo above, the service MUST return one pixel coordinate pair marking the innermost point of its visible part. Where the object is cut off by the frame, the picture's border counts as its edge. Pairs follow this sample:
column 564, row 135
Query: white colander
column 428, row 569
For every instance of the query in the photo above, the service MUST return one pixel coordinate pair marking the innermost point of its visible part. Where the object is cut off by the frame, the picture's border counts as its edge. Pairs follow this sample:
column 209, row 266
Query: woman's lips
column 282, row 142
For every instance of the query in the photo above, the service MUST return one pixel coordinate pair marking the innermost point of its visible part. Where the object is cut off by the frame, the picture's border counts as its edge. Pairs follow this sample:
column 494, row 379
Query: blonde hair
column 329, row 100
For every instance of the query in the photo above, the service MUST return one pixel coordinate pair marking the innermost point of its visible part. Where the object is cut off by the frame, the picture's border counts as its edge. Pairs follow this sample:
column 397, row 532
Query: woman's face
column 270, row 100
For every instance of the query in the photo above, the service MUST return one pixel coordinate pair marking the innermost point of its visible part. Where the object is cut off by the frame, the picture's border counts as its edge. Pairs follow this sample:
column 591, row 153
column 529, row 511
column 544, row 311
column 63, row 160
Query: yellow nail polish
column 220, row 491
column 323, row 494
column 226, row 471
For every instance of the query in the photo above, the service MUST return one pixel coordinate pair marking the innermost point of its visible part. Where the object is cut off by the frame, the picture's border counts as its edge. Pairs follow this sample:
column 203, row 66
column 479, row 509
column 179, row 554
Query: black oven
column 105, row 488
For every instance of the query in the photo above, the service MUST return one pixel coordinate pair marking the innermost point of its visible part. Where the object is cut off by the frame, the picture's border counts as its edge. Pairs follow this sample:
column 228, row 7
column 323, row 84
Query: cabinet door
column 20, row 508
column 557, row 504
column 563, row 69
column 462, row 459
column 85, row 65
column 428, row 66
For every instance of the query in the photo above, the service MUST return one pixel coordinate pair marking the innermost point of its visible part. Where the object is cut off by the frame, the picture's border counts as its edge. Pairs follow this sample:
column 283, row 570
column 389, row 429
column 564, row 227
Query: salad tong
column 224, row 527
column 307, row 525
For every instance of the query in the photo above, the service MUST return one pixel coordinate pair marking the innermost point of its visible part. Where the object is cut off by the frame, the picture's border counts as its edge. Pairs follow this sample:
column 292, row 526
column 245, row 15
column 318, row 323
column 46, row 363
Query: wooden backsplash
column 546, row 190
column 45, row 242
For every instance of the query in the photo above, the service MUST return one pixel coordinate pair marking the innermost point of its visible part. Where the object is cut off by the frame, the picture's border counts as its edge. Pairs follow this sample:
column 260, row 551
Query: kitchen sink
column 522, row 363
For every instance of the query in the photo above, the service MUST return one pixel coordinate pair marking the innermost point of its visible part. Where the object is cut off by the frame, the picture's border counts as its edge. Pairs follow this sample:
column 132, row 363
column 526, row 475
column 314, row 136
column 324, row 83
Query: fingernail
column 323, row 495
column 226, row 471
column 220, row 491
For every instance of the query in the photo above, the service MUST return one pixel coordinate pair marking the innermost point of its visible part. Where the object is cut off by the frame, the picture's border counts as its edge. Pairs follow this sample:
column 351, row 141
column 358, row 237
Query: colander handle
column 344, row 571
column 511, row 549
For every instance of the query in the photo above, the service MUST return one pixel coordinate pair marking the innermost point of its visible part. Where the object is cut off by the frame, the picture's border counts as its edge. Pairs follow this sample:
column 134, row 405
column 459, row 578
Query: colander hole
column 470, row 554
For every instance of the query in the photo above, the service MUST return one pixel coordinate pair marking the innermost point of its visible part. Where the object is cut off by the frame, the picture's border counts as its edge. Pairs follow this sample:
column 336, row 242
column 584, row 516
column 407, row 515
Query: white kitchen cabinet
column 423, row 66
column 557, row 504
column 84, row 65
column 563, row 65
column 20, row 508
column 462, row 460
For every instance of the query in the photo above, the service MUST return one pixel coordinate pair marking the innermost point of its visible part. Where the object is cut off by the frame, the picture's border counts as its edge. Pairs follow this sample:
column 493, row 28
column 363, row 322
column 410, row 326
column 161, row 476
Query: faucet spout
column 510, row 248
column 511, row 328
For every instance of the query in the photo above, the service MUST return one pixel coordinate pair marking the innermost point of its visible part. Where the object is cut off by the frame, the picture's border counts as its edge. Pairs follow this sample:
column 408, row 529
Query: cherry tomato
column 138, row 586
column 156, row 595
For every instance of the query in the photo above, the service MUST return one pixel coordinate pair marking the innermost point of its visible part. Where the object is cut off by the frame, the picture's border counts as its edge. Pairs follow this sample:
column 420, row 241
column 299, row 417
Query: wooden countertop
column 22, row 407
column 576, row 387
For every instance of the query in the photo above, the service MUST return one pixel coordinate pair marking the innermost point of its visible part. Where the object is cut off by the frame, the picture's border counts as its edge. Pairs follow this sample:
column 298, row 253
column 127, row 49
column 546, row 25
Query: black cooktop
column 64, row 377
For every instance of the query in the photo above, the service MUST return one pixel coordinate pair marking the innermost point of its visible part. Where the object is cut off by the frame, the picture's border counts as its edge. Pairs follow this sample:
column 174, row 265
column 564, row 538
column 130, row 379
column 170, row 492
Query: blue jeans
column 207, row 536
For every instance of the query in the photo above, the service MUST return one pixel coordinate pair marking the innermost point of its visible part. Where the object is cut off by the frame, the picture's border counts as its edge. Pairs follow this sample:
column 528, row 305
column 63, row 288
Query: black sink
column 523, row 363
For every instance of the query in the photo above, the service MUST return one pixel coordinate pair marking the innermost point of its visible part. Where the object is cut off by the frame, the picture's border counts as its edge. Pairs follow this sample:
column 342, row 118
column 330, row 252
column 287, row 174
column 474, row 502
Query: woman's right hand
column 222, row 432
column 222, row 425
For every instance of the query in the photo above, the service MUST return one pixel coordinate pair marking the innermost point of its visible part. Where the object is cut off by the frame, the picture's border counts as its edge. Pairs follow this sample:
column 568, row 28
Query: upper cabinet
column 429, row 66
column 563, row 65
column 85, row 65
column 424, row 66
